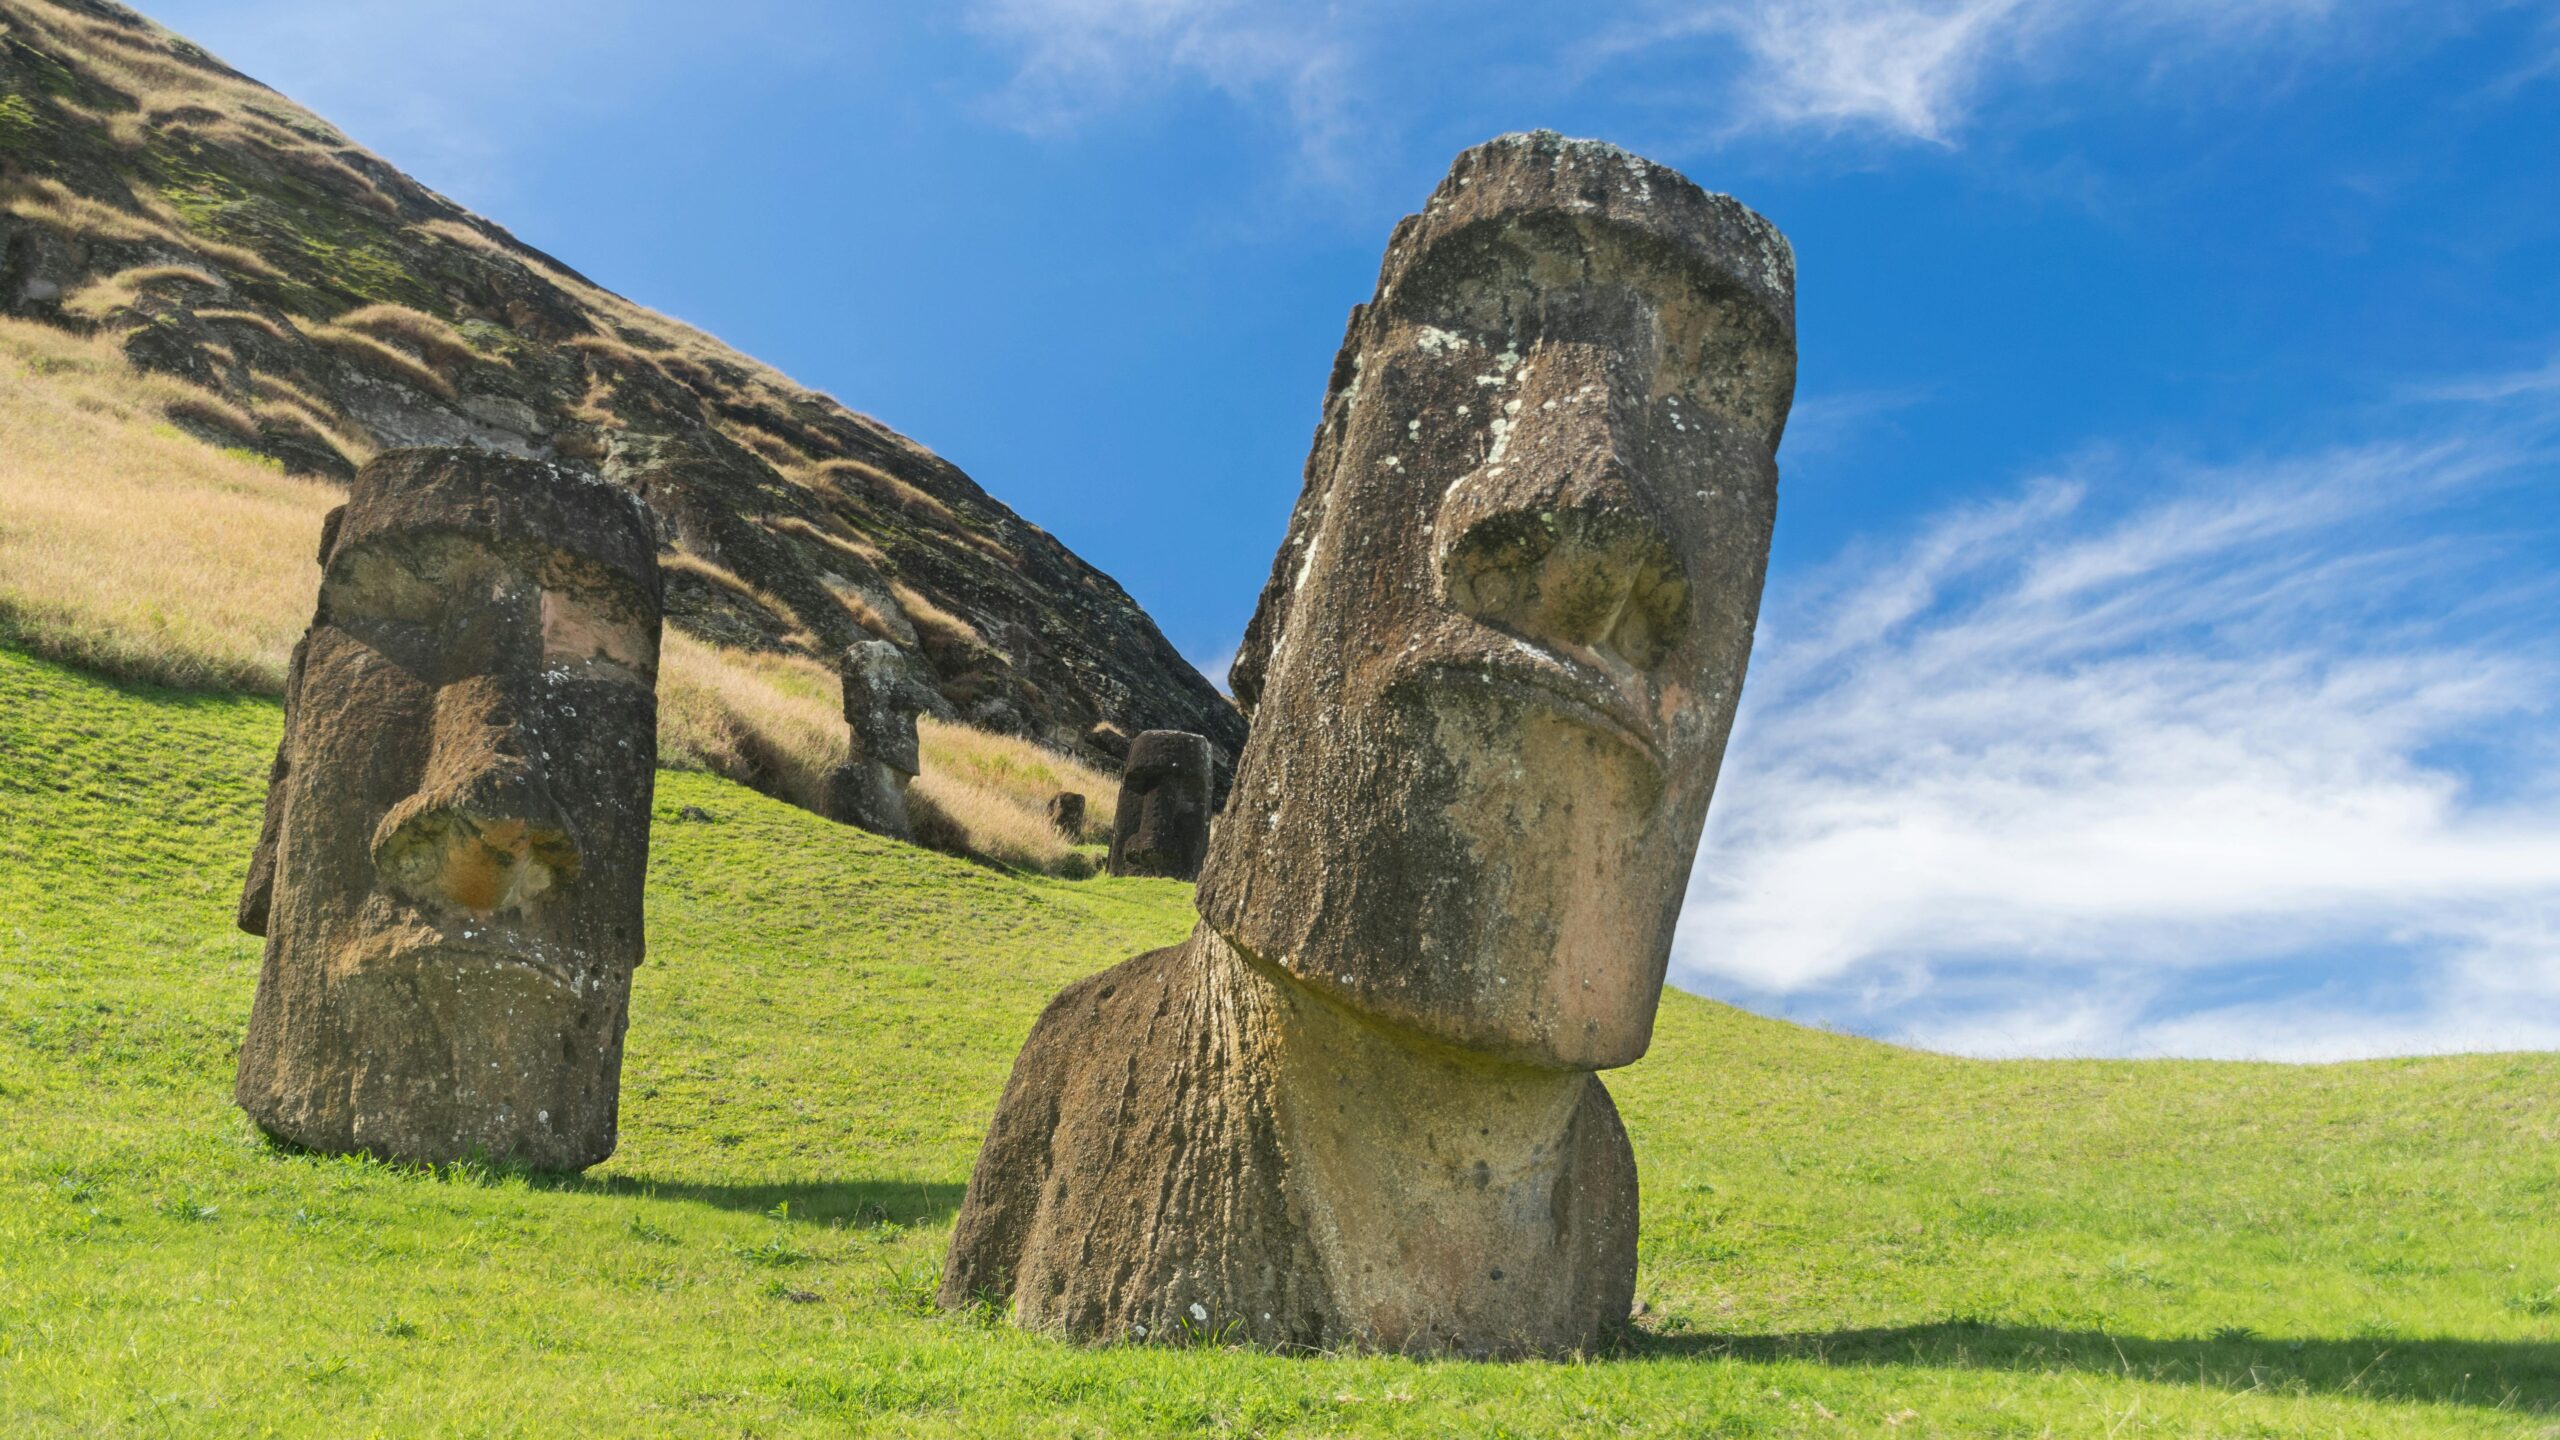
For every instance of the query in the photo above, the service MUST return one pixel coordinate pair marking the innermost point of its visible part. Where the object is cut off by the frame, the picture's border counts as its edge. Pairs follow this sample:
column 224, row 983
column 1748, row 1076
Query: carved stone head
column 1495, row 665
column 458, row 829
column 1162, row 827
column 881, row 701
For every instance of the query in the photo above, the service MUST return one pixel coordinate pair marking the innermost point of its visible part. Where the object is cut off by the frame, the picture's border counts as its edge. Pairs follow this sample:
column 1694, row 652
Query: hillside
column 307, row 303
column 1840, row 1238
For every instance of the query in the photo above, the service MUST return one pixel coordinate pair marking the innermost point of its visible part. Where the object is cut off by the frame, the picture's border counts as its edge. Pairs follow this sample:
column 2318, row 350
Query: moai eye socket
column 587, row 629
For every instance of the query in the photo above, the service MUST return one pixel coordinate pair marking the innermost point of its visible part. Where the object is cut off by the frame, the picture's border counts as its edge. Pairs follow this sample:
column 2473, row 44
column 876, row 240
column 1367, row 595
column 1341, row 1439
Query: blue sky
column 2160, row 653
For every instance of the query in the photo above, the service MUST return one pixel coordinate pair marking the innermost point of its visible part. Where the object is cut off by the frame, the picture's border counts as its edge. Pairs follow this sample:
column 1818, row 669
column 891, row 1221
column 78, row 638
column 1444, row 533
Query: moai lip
column 1491, row 678
column 1162, row 825
column 450, row 871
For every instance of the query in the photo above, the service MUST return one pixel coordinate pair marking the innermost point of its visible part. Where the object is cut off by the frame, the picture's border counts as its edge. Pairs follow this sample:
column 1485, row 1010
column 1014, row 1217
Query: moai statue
column 1162, row 827
column 1491, row 678
column 881, row 701
column 457, row 828
column 1066, row 813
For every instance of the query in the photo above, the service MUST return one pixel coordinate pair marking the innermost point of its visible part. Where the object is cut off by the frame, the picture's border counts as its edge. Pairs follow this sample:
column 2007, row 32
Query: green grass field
column 1840, row 1238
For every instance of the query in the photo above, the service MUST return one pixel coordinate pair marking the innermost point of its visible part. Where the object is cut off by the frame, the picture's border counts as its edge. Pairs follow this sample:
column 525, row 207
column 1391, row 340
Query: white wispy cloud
column 2059, row 775
column 1075, row 59
column 1833, row 420
column 1911, row 70
column 1215, row 664
column 1919, row 69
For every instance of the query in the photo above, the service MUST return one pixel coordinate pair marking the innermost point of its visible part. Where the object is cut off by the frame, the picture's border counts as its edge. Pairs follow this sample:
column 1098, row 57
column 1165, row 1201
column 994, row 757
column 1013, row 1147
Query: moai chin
column 457, row 829
column 1492, row 676
column 881, row 701
column 1162, row 823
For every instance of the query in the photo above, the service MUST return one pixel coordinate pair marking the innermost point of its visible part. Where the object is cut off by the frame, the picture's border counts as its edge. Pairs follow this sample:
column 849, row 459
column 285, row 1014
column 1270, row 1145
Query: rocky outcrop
column 338, row 307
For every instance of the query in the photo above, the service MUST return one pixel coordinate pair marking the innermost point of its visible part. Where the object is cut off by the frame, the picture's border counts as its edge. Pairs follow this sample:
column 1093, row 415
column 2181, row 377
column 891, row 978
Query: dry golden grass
column 960, row 761
column 176, row 89
column 726, row 579
column 282, row 399
column 435, row 341
column 105, row 296
column 128, row 546
column 913, row 500
column 934, row 621
column 772, row 449
column 266, row 325
column 51, row 204
column 777, row 723
column 388, row 361
column 774, row 722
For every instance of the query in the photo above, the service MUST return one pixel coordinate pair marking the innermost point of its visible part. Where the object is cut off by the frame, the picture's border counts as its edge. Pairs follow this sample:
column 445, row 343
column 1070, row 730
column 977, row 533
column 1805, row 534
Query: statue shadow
column 849, row 1202
column 2509, row 1374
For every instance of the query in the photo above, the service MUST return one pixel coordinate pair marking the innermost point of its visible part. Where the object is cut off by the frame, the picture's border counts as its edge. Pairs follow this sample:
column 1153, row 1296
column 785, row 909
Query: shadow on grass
column 855, row 1202
column 2513, row 1374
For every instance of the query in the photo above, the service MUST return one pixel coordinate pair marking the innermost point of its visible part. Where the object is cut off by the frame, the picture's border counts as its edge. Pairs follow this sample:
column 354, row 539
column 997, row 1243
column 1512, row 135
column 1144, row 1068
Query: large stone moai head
column 458, row 826
column 1163, row 823
column 881, row 701
column 1493, row 671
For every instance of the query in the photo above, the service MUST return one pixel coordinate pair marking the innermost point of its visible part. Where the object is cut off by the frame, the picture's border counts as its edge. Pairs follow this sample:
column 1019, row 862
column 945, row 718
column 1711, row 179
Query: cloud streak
column 1915, row 71
column 2059, row 776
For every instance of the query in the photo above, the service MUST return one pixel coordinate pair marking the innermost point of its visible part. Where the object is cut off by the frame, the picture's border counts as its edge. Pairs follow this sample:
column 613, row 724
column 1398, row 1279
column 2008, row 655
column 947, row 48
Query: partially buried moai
column 1161, row 826
column 881, row 702
column 457, row 829
column 1491, row 679
column 1066, row 814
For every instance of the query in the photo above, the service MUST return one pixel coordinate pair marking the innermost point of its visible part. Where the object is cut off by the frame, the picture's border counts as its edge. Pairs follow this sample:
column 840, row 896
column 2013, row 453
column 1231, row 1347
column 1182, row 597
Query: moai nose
column 1557, row 537
column 482, row 833
column 1579, row 566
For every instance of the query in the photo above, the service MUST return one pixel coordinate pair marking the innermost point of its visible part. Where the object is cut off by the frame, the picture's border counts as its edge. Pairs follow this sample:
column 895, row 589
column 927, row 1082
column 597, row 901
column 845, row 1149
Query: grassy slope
column 1840, row 1238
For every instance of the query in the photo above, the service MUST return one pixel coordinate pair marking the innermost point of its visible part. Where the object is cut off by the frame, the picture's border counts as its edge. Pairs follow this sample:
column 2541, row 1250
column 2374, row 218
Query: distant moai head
column 881, row 702
column 1494, row 668
column 1162, row 827
column 882, row 698
column 1066, row 814
column 458, row 828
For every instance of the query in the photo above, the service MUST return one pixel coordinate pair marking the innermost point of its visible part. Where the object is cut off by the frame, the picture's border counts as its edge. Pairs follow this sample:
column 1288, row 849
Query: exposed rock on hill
column 333, row 306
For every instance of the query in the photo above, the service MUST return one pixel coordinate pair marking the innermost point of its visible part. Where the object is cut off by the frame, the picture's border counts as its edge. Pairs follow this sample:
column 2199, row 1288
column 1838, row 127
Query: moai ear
column 257, row 893
column 329, row 534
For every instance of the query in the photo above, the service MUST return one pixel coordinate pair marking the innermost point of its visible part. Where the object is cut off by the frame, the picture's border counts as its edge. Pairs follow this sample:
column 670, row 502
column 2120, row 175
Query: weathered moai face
column 1162, row 825
column 1500, row 651
column 881, row 700
column 1066, row 814
column 460, row 826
